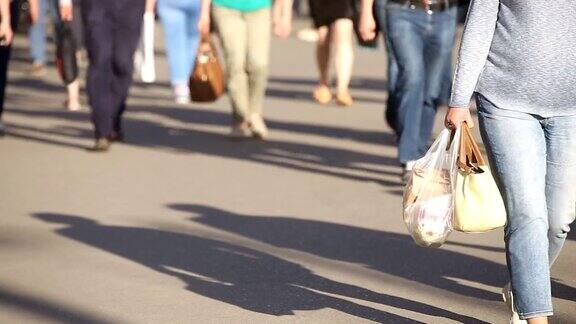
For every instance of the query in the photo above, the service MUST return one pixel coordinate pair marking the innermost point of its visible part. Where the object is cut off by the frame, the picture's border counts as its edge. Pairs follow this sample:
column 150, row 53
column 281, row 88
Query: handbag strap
column 470, row 157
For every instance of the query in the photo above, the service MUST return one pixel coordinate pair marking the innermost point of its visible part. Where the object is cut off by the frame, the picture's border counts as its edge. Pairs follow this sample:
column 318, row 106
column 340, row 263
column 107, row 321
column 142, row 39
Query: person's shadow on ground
column 236, row 275
column 390, row 253
column 340, row 162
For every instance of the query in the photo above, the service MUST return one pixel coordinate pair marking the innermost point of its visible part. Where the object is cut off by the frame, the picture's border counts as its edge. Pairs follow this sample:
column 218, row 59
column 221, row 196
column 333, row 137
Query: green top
column 243, row 5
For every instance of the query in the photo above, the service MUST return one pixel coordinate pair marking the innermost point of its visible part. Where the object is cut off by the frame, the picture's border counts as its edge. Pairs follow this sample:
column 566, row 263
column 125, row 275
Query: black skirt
column 326, row 12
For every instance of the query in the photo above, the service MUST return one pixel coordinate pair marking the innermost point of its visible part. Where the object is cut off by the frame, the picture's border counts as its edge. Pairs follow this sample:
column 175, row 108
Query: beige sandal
column 322, row 94
column 344, row 99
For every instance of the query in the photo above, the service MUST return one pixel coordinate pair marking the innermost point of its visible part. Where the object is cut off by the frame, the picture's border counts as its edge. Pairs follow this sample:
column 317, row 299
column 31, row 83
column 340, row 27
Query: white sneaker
column 240, row 130
column 258, row 126
column 181, row 94
column 508, row 298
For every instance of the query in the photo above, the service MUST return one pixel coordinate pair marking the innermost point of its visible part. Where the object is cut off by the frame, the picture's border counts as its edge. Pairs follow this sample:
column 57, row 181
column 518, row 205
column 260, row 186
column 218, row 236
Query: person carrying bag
column 478, row 204
column 207, row 79
column 66, row 61
column 451, row 188
column 428, row 196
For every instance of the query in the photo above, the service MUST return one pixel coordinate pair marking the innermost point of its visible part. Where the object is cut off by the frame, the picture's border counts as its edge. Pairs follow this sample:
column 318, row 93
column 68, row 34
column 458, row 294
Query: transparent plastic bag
column 428, row 199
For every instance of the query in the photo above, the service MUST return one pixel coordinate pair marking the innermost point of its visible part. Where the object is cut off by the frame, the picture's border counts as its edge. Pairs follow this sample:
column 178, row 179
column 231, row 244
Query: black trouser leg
column 128, row 22
column 5, row 55
column 98, row 40
column 112, row 30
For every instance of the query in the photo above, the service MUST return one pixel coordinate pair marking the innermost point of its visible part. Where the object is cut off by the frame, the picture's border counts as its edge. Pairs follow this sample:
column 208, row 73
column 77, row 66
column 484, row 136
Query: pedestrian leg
column 232, row 28
column 37, row 40
column 128, row 18
column 560, row 179
column 406, row 37
column 344, row 59
column 322, row 93
column 259, row 32
column 5, row 52
column 99, row 44
column 439, row 43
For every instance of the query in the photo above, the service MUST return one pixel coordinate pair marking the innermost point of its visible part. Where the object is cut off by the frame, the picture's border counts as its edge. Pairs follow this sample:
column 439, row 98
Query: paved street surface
column 181, row 225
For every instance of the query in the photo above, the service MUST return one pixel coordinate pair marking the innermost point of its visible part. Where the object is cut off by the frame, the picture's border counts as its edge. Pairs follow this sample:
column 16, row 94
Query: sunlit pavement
column 180, row 225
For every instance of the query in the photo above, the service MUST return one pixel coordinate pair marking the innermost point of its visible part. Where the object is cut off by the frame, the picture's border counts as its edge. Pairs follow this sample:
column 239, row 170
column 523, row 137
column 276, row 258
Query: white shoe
column 508, row 298
column 182, row 100
column 239, row 131
column 72, row 106
column 181, row 94
column 258, row 126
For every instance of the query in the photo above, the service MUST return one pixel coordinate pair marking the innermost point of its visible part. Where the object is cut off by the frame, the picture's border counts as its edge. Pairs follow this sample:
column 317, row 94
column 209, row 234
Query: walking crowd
column 517, row 59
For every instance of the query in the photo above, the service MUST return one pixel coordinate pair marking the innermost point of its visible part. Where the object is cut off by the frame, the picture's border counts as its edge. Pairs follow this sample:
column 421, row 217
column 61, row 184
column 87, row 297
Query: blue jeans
column 180, row 21
column 37, row 34
column 534, row 162
column 391, row 112
column 422, row 44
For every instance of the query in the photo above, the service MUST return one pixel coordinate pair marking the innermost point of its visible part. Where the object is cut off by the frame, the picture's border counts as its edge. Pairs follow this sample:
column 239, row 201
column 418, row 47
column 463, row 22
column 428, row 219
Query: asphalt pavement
column 181, row 225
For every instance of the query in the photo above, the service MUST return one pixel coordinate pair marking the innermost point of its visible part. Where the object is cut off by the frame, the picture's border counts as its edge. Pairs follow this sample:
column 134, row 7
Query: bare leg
column 322, row 93
column 73, row 102
column 344, row 57
column 538, row 320
column 323, row 54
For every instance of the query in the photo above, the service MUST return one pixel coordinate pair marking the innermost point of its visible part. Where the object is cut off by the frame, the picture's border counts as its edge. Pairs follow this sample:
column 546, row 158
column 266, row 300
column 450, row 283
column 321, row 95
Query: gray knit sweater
column 520, row 55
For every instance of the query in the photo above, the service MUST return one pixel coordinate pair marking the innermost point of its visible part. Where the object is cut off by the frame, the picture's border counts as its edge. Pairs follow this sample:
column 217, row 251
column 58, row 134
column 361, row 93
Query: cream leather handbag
column 478, row 204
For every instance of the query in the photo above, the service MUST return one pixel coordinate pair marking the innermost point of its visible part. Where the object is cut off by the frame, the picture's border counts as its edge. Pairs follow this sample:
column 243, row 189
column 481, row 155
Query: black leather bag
column 66, row 54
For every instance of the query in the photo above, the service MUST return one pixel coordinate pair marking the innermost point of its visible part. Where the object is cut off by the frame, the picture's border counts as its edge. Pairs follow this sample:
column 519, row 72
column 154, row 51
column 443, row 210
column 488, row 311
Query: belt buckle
column 428, row 9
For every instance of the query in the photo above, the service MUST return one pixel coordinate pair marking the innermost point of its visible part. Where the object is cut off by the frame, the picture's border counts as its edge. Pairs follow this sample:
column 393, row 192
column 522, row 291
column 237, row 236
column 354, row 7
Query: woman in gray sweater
column 519, row 59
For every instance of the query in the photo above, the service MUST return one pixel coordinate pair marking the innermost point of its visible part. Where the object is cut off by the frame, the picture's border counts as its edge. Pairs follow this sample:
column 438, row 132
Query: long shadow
column 390, row 253
column 250, row 279
column 38, row 84
column 338, row 162
column 45, row 309
column 360, row 83
column 211, row 117
column 216, row 118
column 307, row 95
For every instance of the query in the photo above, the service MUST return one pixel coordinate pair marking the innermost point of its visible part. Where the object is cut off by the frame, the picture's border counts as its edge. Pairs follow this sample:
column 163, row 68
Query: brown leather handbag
column 207, row 79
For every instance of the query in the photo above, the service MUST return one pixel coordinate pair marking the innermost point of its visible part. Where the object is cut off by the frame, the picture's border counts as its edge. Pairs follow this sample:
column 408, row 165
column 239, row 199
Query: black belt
column 430, row 8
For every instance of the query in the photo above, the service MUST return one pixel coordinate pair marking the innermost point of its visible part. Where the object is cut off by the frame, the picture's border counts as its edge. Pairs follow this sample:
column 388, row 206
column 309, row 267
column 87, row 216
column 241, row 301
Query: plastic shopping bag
column 428, row 196
column 144, row 56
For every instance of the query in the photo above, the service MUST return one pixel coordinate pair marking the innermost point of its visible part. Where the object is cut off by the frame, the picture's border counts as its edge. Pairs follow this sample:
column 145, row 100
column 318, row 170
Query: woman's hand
column 6, row 32
column 456, row 115
column 204, row 25
column 34, row 11
column 282, row 18
column 283, row 28
column 367, row 25
column 204, row 21
column 66, row 12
